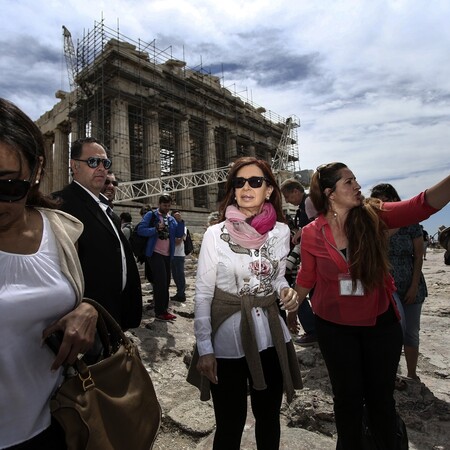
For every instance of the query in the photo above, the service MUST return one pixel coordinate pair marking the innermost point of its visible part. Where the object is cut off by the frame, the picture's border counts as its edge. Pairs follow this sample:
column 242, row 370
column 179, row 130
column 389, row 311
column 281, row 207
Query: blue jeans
column 177, row 265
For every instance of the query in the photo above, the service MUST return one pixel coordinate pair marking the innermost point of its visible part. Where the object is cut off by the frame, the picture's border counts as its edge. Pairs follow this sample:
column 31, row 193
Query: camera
column 164, row 233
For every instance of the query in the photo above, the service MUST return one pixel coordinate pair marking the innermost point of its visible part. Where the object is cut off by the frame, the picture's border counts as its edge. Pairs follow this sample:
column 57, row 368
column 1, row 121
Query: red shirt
column 322, row 263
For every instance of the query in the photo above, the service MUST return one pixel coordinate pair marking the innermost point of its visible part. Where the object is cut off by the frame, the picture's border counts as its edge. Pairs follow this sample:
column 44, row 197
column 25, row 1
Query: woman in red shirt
column 344, row 255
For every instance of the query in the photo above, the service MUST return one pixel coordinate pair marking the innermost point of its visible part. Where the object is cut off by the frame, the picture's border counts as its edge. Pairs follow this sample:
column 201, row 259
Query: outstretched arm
column 439, row 195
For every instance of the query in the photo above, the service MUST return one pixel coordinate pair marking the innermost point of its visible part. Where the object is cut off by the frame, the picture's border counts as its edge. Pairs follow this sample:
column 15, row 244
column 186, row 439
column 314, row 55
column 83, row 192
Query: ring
column 296, row 302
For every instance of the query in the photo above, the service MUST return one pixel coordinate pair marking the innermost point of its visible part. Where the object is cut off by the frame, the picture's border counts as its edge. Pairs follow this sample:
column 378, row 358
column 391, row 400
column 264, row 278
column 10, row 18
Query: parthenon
column 157, row 117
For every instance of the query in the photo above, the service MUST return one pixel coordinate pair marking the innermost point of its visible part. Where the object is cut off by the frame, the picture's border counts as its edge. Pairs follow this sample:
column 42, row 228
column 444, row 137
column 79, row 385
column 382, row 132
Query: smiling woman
column 41, row 288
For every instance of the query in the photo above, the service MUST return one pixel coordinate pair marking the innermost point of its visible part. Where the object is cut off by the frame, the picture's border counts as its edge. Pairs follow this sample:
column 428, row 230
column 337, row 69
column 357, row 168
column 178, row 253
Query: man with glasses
column 109, row 188
column 109, row 268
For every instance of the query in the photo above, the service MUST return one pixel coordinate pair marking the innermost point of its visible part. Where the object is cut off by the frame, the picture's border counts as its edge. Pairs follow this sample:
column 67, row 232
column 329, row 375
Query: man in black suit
column 109, row 268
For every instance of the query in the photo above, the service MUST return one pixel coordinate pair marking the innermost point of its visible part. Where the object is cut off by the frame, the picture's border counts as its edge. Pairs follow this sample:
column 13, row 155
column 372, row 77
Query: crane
column 69, row 53
column 71, row 63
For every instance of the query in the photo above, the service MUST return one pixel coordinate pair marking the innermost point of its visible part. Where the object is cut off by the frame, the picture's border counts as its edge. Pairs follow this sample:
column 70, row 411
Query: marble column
column 231, row 150
column 120, row 140
column 211, row 163
column 183, row 157
column 152, row 148
column 60, row 175
column 47, row 180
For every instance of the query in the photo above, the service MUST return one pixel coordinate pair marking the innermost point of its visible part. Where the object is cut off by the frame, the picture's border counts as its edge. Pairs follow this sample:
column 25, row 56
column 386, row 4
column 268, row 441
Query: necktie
column 109, row 211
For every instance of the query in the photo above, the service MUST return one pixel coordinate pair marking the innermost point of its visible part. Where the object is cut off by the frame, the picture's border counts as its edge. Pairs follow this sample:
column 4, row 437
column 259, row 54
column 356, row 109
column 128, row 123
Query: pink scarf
column 250, row 232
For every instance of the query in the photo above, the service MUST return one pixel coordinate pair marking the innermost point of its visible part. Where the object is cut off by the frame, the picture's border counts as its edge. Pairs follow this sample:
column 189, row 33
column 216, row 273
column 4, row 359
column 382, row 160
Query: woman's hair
column 22, row 135
column 385, row 190
column 366, row 232
column 230, row 199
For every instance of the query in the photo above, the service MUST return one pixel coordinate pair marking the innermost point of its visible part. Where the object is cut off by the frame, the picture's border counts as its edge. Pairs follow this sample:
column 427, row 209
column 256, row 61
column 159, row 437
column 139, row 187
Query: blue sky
column 369, row 80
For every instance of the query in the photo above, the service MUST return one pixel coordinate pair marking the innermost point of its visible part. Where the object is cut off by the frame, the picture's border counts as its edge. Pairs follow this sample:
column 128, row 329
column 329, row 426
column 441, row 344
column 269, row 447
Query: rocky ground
column 188, row 423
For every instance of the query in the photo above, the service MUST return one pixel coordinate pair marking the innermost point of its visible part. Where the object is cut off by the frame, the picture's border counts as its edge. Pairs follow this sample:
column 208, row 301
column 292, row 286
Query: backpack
column 188, row 244
column 139, row 243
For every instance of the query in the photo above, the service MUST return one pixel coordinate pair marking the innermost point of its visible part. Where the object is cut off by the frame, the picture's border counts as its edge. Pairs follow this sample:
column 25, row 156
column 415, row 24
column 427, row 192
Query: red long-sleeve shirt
column 322, row 263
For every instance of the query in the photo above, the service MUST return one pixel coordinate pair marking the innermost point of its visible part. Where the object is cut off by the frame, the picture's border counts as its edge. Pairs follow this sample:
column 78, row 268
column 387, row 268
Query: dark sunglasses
column 108, row 182
column 93, row 163
column 13, row 190
column 254, row 182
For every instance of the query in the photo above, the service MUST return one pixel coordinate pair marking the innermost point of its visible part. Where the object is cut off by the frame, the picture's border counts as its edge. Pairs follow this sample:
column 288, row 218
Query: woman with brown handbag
column 41, row 288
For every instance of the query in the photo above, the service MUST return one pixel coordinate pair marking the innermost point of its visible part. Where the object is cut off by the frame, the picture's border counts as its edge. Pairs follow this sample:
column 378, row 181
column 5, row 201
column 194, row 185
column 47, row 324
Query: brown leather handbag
column 111, row 404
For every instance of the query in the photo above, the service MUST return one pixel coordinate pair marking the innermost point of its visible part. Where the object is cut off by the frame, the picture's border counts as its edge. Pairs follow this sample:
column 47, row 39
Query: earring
column 267, row 198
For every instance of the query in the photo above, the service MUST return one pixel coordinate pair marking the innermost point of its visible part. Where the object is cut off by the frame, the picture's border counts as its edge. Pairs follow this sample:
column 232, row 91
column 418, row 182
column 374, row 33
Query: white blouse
column 238, row 271
column 33, row 294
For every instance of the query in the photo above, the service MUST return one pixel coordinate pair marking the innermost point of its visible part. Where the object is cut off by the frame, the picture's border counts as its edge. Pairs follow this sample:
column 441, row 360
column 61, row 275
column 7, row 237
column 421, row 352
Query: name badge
column 346, row 286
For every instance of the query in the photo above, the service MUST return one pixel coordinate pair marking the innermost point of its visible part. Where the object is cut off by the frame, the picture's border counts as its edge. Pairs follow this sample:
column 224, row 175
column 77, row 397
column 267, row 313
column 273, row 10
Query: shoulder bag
column 111, row 404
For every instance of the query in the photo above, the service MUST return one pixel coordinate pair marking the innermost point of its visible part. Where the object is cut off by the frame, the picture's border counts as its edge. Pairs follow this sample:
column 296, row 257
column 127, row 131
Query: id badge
column 346, row 286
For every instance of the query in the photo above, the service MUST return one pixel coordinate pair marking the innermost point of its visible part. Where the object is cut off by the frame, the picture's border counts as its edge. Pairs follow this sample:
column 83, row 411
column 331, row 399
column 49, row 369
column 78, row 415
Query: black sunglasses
column 93, row 163
column 254, row 182
column 108, row 182
column 13, row 190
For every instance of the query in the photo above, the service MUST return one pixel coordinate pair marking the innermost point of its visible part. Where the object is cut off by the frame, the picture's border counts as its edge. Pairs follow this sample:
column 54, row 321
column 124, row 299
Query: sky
column 369, row 80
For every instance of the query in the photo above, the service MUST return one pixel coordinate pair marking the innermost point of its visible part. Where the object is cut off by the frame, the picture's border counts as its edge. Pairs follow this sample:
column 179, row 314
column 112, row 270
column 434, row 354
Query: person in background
column 41, row 289
column 294, row 193
column 243, row 344
column 115, row 285
column 109, row 189
column 126, row 224
column 162, row 230
column 345, row 258
column 212, row 219
column 426, row 241
column 405, row 256
column 177, row 262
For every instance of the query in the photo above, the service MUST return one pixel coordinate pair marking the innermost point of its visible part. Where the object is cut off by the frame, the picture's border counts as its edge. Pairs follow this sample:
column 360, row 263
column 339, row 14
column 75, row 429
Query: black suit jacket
column 101, row 259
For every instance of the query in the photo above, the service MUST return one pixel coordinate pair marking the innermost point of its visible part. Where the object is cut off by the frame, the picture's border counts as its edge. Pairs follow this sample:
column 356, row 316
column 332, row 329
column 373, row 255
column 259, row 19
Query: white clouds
column 369, row 80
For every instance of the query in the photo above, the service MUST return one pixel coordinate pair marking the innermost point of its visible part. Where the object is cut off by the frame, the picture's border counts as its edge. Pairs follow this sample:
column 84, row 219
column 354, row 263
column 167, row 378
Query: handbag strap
column 111, row 336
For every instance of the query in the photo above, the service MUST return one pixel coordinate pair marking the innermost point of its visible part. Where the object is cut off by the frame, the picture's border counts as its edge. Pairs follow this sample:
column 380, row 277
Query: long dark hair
column 365, row 231
column 22, row 135
column 275, row 196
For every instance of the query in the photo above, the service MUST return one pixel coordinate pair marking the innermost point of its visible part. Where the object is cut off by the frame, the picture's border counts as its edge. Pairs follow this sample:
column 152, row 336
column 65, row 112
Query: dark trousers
column 230, row 402
column 160, row 267
column 362, row 364
column 52, row 438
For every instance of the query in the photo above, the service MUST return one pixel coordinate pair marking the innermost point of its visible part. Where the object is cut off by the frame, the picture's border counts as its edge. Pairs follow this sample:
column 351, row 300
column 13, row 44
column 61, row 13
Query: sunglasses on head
column 93, row 163
column 113, row 182
column 13, row 190
column 254, row 182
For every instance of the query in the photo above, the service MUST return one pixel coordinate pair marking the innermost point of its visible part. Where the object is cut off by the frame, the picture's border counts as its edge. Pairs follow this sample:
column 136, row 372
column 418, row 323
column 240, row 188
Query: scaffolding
column 161, row 119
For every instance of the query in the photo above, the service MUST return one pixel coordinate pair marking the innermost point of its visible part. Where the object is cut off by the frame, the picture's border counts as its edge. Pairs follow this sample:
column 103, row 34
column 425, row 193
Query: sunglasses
column 254, row 182
column 13, row 190
column 108, row 182
column 93, row 163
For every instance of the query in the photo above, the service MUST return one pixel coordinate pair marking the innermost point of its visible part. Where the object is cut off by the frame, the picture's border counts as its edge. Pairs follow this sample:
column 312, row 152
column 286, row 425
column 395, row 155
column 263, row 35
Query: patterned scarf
column 250, row 232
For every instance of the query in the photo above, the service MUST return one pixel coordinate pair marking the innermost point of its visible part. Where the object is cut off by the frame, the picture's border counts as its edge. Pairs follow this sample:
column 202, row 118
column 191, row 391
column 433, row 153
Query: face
column 250, row 200
column 177, row 216
column 347, row 192
column 294, row 197
column 91, row 179
column 164, row 208
column 13, row 167
column 109, row 188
